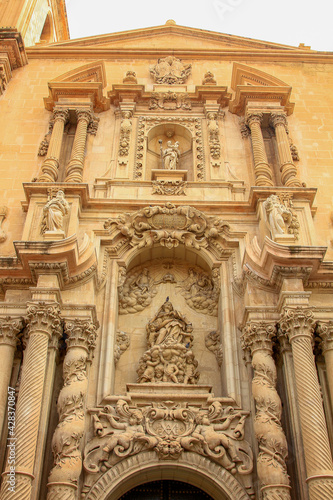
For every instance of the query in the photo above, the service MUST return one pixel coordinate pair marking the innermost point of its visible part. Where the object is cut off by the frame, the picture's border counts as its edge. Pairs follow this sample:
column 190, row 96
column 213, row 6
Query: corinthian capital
column 44, row 317
column 61, row 115
column 254, row 117
column 296, row 322
column 83, row 114
column 9, row 328
column 257, row 336
column 279, row 119
column 81, row 333
column 325, row 331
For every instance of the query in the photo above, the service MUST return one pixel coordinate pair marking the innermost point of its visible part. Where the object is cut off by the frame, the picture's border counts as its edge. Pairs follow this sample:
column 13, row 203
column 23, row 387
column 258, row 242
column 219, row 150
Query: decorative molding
column 11, row 43
column 169, row 187
column 170, row 101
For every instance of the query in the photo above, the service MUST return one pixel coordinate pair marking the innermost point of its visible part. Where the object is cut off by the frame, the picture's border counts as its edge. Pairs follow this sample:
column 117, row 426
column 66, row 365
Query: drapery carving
column 168, row 428
column 54, row 212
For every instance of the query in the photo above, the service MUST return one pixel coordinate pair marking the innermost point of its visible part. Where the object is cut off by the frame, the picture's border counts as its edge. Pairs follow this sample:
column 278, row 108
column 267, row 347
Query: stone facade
column 166, row 265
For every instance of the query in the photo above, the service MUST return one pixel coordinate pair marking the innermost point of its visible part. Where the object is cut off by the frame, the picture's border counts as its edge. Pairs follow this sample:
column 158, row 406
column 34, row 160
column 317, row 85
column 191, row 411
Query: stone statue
column 169, row 357
column 54, row 212
column 170, row 155
column 277, row 215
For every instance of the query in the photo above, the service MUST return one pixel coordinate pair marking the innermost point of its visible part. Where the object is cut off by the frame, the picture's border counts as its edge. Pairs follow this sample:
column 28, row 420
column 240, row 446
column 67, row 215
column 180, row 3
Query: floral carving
column 9, row 328
column 170, row 100
column 213, row 132
column 170, row 70
column 168, row 428
column 213, row 344
column 169, row 357
column 169, row 187
column 122, row 343
column 125, row 133
column 169, row 226
column 45, row 317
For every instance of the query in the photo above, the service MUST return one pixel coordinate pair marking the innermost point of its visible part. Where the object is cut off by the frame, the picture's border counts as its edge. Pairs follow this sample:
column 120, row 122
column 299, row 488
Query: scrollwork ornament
column 44, row 317
column 325, row 332
column 81, row 333
column 297, row 321
column 9, row 328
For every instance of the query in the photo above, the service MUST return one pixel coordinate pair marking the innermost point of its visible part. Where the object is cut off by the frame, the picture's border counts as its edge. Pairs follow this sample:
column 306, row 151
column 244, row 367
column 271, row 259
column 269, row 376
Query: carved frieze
column 169, row 226
column 169, row 187
column 168, row 428
column 170, row 101
column 170, row 70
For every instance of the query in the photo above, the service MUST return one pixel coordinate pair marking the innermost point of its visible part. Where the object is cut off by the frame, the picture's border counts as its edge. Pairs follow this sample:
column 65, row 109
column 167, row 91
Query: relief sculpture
column 169, row 357
column 201, row 292
column 137, row 292
column 170, row 70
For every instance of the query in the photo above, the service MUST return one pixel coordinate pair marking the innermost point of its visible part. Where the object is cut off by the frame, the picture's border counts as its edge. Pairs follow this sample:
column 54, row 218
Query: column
column 66, row 443
column 74, row 169
column 325, row 330
column 9, row 329
column 50, row 165
column 43, row 323
column 262, row 169
column 273, row 450
column 298, row 324
column 287, row 167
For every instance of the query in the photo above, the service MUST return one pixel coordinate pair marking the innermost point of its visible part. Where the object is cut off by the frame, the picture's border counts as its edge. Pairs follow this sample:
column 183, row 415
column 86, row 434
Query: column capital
column 61, row 114
column 279, row 118
column 297, row 322
column 325, row 331
column 258, row 335
column 83, row 114
column 9, row 328
column 254, row 117
column 44, row 317
column 81, row 333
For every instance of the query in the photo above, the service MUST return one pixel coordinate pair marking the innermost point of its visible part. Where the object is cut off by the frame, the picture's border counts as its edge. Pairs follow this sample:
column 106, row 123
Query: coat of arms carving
column 170, row 71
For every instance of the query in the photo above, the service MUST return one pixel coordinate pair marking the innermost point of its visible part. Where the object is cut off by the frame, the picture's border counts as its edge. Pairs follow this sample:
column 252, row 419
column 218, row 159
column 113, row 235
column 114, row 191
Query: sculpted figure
column 54, row 212
column 169, row 327
column 277, row 215
column 170, row 70
column 170, row 155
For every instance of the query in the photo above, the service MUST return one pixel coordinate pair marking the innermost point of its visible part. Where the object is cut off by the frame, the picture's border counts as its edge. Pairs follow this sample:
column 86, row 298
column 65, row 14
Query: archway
column 164, row 490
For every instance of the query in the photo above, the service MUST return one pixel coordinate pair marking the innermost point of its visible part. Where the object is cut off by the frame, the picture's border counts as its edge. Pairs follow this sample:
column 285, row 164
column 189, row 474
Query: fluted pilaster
column 271, row 461
column 298, row 324
column 43, row 324
column 287, row 167
column 50, row 165
column 74, row 169
column 67, row 437
column 262, row 169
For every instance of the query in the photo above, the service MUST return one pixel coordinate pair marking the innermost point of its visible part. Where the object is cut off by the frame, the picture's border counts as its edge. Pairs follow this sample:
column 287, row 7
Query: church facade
column 166, row 264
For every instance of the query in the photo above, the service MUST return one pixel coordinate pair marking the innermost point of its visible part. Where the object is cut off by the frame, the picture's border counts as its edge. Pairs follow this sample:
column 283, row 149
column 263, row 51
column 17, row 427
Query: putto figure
column 170, row 155
column 54, row 212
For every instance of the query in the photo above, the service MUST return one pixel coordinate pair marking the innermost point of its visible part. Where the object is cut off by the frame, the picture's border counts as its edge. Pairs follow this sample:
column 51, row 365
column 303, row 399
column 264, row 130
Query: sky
column 289, row 22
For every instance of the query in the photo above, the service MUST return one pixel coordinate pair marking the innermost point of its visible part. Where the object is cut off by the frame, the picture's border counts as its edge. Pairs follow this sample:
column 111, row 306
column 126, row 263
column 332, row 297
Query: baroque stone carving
column 209, row 79
column 3, row 215
column 201, row 291
column 122, row 343
column 213, row 132
column 213, row 344
column 287, row 200
column 54, row 212
column 125, row 134
column 278, row 216
column 169, row 226
column 170, row 100
column 169, row 187
column 169, row 357
column 168, row 428
column 136, row 292
column 170, row 70
column 170, row 155
column 130, row 77
column 9, row 328
column 271, row 462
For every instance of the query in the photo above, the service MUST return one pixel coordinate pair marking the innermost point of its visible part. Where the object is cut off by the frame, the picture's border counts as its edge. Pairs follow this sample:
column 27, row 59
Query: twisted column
column 298, row 324
column 50, row 165
column 9, row 329
column 262, row 169
column 325, row 330
column 287, row 167
column 74, row 169
column 273, row 450
column 43, row 323
column 68, row 435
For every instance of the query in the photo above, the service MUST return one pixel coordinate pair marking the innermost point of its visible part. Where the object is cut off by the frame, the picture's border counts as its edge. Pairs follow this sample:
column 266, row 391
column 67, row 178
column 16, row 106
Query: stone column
column 74, row 169
column 9, row 329
column 68, row 435
column 43, row 323
column 298, row 324
column 50, row 165
column 325, row 330
column 271, row 461
column 262, row 169
column 287, row 167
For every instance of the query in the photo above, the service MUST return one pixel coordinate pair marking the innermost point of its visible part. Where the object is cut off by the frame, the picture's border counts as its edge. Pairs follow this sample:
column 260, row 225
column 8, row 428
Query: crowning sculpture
column 170, row 70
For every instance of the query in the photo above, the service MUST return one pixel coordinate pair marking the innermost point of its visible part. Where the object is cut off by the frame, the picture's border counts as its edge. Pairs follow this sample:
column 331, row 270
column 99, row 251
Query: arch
column 144, row 467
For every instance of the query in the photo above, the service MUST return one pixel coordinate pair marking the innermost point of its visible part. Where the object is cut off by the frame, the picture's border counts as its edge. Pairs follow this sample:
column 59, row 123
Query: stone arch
column 145, row 467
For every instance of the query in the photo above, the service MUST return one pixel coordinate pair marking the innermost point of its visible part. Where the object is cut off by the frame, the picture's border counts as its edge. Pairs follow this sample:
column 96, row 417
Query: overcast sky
column 285, row 21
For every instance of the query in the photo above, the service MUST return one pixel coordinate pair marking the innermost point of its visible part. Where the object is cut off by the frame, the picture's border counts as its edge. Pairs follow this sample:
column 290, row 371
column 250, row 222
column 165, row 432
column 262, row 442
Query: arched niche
column 173, row 132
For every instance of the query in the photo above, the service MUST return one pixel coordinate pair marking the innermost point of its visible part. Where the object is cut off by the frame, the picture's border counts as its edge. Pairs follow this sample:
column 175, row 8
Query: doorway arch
column 145, row 467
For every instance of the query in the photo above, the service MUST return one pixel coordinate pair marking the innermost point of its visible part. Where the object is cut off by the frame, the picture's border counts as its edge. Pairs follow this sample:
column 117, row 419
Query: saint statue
column 170, row 155
column 54, row 212
column 278, row 216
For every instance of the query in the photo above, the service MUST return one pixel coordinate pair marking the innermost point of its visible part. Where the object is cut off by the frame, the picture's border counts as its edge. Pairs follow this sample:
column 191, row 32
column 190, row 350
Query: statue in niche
column 169, row 357
column 170, row 155
column 54, row 212
column 278, row 216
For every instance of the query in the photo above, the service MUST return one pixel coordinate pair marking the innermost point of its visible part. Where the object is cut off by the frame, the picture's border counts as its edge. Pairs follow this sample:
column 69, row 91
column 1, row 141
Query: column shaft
column 298, row 324
column 287, row 167
column 325, row 330
column 74, row 169
column 50, row 165
column 262, row 169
